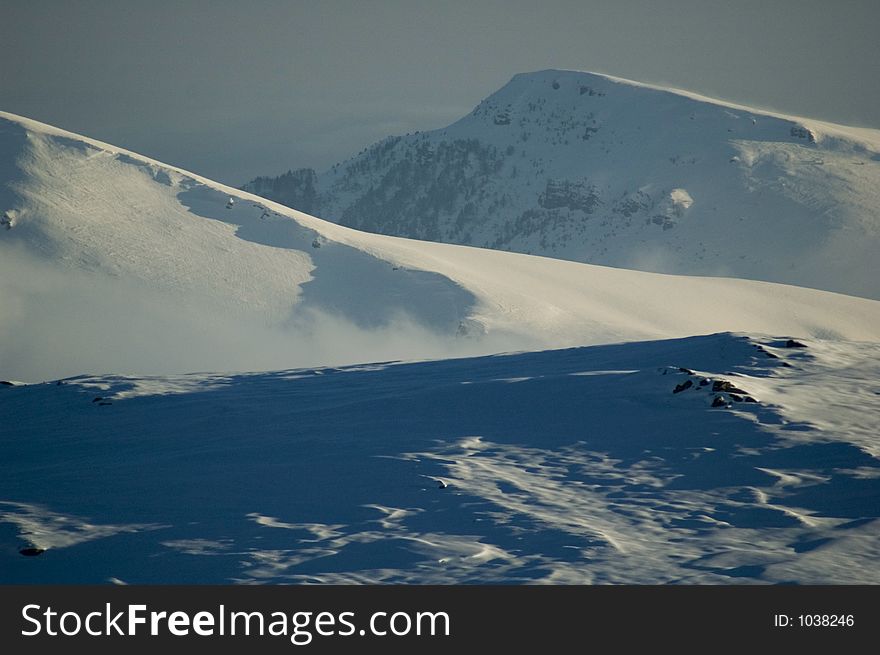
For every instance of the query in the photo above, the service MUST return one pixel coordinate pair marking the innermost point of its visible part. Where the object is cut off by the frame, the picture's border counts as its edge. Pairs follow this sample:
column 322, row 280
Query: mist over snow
column 62, row 323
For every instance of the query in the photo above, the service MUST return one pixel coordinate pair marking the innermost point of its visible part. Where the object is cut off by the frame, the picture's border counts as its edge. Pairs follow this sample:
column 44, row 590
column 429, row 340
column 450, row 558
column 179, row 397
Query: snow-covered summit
column 598, row 169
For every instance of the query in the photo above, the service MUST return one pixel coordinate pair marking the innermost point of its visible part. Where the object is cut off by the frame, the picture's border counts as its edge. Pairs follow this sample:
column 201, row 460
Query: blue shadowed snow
column 586, row 469
column 337, row 284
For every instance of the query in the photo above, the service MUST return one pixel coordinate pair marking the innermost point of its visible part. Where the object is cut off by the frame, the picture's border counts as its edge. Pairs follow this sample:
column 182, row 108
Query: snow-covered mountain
column 110, row 261
column 598, row 169
column 606, row 464
column 709, row 459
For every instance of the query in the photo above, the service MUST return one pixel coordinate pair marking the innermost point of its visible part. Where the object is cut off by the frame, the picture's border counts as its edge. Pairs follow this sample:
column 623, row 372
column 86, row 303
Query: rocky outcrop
column 724, row 385
column 297, row 189
column 687, row 384
column 568, row 194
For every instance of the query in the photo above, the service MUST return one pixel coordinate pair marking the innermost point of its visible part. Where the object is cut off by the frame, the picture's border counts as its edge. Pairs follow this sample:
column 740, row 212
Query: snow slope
column 568, row 466
column 599, row 169
column 110, row 261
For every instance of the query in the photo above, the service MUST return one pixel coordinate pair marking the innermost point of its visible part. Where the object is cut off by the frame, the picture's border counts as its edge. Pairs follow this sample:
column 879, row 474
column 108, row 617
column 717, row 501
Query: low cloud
column 58, row 323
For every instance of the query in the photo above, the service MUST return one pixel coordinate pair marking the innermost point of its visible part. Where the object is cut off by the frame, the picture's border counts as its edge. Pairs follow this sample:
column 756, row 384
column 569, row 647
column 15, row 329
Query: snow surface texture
column 110, row 261
column 569, row 466
column 598, row 169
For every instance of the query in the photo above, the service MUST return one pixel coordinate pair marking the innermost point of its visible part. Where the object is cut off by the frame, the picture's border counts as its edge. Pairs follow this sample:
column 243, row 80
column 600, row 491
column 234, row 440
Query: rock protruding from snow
column 31, row 551
column 8, row 219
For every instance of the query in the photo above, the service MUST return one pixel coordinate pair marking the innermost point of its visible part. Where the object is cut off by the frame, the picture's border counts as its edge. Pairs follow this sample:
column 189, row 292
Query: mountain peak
column 593, row 168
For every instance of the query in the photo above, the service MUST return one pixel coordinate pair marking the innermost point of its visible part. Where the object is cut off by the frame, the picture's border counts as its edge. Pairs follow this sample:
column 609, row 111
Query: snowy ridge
column 865, row 136
column 598, row 169
column 196, row 282
column 569, row 466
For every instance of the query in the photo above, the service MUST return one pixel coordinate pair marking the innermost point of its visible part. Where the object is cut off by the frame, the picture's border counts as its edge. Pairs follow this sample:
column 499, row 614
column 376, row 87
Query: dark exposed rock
column 687, row 384
column 666, row 222
column 570, row 194
column 431, row 191
column 724, row 385
column 719, row 402
column 590, row 91
column 32, row 551
column 297, row 189
column 802, row 133
column 786, row 364
column 735, row 398
column 685, row 370
column 704, row 382
column 791, row 343
column 634, row 204
column 97, row 399
column 6, row 383
column 749, row 399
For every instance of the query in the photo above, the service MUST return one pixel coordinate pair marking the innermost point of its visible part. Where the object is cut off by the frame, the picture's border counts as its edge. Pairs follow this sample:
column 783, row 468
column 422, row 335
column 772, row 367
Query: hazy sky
column 232, row 89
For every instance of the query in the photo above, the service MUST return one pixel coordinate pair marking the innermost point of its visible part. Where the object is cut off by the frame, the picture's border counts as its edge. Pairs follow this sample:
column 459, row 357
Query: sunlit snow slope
column 568, row 466
column 113, row 262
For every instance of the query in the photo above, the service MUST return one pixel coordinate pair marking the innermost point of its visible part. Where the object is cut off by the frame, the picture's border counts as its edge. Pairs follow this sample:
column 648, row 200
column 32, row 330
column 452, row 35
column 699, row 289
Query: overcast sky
column 231, row 89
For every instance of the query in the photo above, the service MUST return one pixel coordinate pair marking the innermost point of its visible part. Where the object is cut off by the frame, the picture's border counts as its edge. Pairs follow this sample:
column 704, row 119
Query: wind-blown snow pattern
column 598, row 169
column 115, row 262
column 568, row 466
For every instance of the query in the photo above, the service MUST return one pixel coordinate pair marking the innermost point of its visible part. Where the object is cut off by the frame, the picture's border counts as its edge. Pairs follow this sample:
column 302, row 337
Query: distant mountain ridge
column 592, row 168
